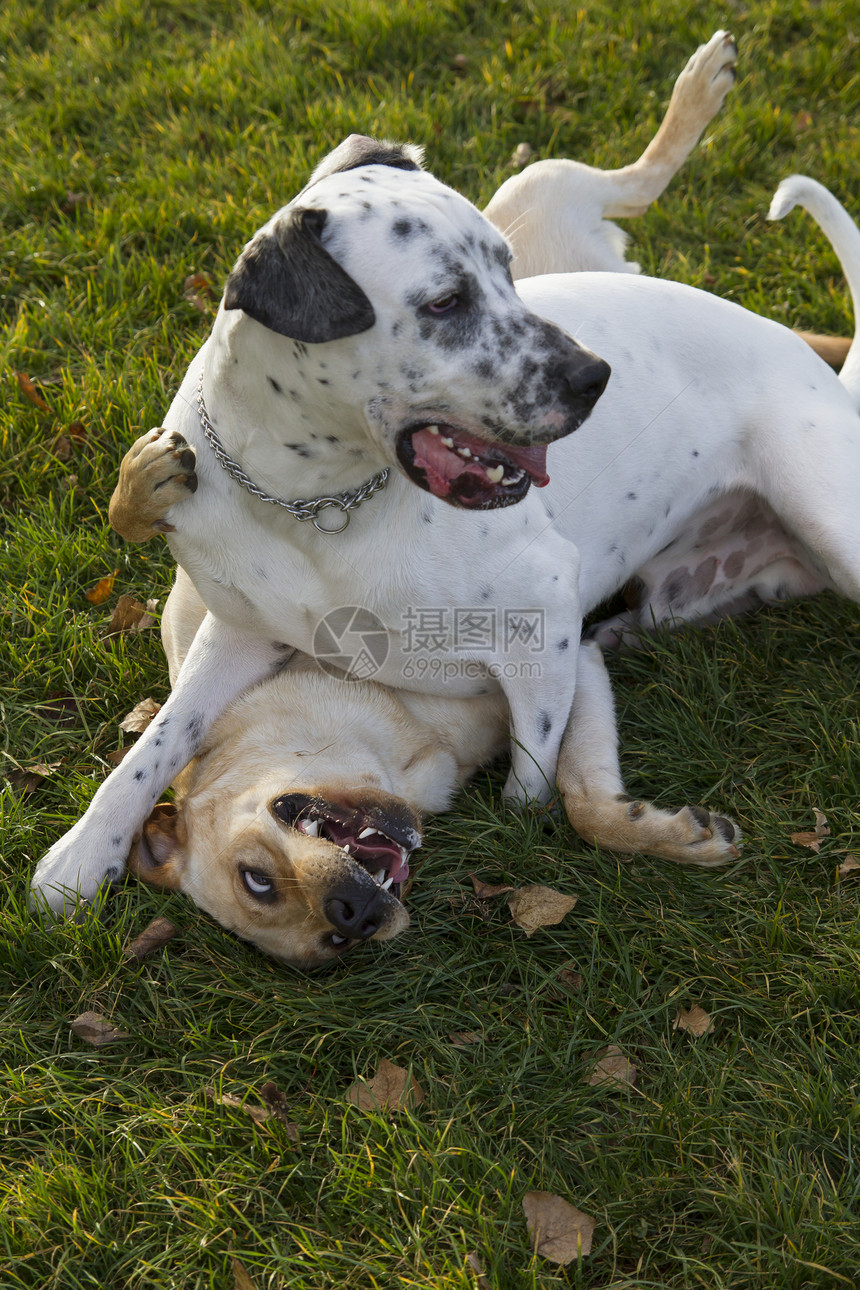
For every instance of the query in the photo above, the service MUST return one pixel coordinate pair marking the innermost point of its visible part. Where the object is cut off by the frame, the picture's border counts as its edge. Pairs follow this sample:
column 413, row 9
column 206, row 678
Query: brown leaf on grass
column 259, row 1114
column 117, row 755
column 199, row 291
column 140, row 716
column 803, row 122
column 694, row 1019
column 276, row 1101
column 559, row 1231
column 392, row 1088
column 612, row 1070
column 241, row 1280
column 130, row 616
column 98, row 594
column 152, row 938
column 464, row 1038
column 30, row 392
column 522, row 154
column 26, row 779
column 486, row 890
column 570, row 981
column 97, row 1030
column 274, row 1108
column 62, row 447
column 849, row 864
column 77, row 432
column 535, row 906
column 477, row 1267
column 813, row 840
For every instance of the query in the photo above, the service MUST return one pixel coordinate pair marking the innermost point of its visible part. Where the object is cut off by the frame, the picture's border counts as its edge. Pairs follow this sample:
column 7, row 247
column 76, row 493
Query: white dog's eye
column 445, row 305
column 257, row 883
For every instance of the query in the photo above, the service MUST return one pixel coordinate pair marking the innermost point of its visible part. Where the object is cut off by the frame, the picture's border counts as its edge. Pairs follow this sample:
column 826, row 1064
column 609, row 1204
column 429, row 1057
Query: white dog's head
column 392, row 295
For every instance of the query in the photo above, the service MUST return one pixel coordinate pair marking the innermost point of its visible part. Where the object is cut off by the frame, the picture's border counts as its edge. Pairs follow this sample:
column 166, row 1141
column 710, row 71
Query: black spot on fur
column 544, row 725
column 274, row 385
column 301, row 449
column 116, row 842
column 563, row 645
column 631, row 497
column 140, row 776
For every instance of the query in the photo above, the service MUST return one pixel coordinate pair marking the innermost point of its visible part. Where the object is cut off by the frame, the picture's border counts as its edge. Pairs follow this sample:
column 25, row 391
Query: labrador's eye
column 445, row 305
column 257, row 883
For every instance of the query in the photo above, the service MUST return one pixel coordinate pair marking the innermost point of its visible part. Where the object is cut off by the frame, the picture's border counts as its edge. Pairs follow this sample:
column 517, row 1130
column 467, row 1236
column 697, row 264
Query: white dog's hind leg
column 556, row 212
column 221, row 663
column 589, row 779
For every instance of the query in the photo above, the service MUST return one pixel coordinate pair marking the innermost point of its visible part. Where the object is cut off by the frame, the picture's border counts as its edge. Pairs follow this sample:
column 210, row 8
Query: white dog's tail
column 844, row 237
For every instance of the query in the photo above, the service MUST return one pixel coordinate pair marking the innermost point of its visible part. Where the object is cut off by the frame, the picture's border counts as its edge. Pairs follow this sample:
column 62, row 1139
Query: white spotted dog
column 375, row 309
column 372, row 324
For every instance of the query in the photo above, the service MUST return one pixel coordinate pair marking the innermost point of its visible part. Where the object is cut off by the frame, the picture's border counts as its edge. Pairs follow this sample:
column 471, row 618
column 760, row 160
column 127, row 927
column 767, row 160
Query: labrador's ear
column 286, row 280
column 158, row 855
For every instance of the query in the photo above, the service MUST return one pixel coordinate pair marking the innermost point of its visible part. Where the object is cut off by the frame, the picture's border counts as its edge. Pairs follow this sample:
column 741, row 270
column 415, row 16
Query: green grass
column 734, row 1163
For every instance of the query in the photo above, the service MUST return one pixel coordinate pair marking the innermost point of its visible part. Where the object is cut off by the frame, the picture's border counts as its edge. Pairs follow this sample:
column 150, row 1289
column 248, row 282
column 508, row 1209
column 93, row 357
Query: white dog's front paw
column 73, row 871
column 708, row 77
column 524, row 789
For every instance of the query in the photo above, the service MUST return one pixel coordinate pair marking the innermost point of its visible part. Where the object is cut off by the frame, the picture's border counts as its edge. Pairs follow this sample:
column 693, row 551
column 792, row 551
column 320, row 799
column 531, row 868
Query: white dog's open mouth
column 376, row 840
column 467, row 471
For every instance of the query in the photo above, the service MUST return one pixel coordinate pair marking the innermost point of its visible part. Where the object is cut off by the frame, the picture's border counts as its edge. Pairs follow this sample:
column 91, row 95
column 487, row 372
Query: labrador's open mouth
column 467, row 471
column 379, row 843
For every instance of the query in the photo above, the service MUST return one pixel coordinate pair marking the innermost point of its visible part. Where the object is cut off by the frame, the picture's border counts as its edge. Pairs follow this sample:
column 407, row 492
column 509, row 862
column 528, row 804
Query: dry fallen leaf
column 477, row 1267
column 464, row 1038
column 695, row 1019
column 570, row 981
column 276, row 1101
column 26, row 779
column 803, row 121
column 535, row 906
column 486, row 890
column 140, row 716
column 391, row 1088
column 98, row 594
column 97, row 1030
column 259, row 1114
column 199, row 291
column 60, row 710
column 129, row 615
column 849, row 864
column 241, row 1280
column 813, row 840
column 612, row 1069
column 522, row 154
column 152, row 938
column 30, row 392
column 117, row 755
column 559, row 1231
column 72, row 202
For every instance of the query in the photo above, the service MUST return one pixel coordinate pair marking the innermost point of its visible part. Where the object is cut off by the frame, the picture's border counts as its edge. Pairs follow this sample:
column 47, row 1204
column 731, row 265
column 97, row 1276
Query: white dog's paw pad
column 710, row 73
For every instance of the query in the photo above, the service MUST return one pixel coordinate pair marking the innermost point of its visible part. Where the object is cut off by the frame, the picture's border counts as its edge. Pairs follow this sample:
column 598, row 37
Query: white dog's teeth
column 512, row 479
column 365, row 833
column 387, row 884
column 449, row 443
column 464, row 452
column 311, row 828
column 379, row 877
column 337, row 940
column 433, row 429
column 495, row 475
column 346, row 848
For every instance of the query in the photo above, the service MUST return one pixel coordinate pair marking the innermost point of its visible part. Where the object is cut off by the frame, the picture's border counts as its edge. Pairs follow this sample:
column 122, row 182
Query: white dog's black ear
column 286, row 280
column 361, row 150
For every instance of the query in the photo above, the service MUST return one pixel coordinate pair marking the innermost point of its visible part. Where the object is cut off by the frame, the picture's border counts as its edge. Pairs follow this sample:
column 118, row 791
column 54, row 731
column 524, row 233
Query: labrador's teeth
column 449, row 443
column 464, row 452
column 512, row 479
column 346, row 848
column 311, row 828
column 387, row 884
column 433, row 429
column 366, row 833
column 404, row 853
column 379, row 877
column 495, row 475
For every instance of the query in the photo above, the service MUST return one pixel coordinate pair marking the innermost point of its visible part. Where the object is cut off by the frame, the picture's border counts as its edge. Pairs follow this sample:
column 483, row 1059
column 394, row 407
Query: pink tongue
column 444, row 464
column 532, row 460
